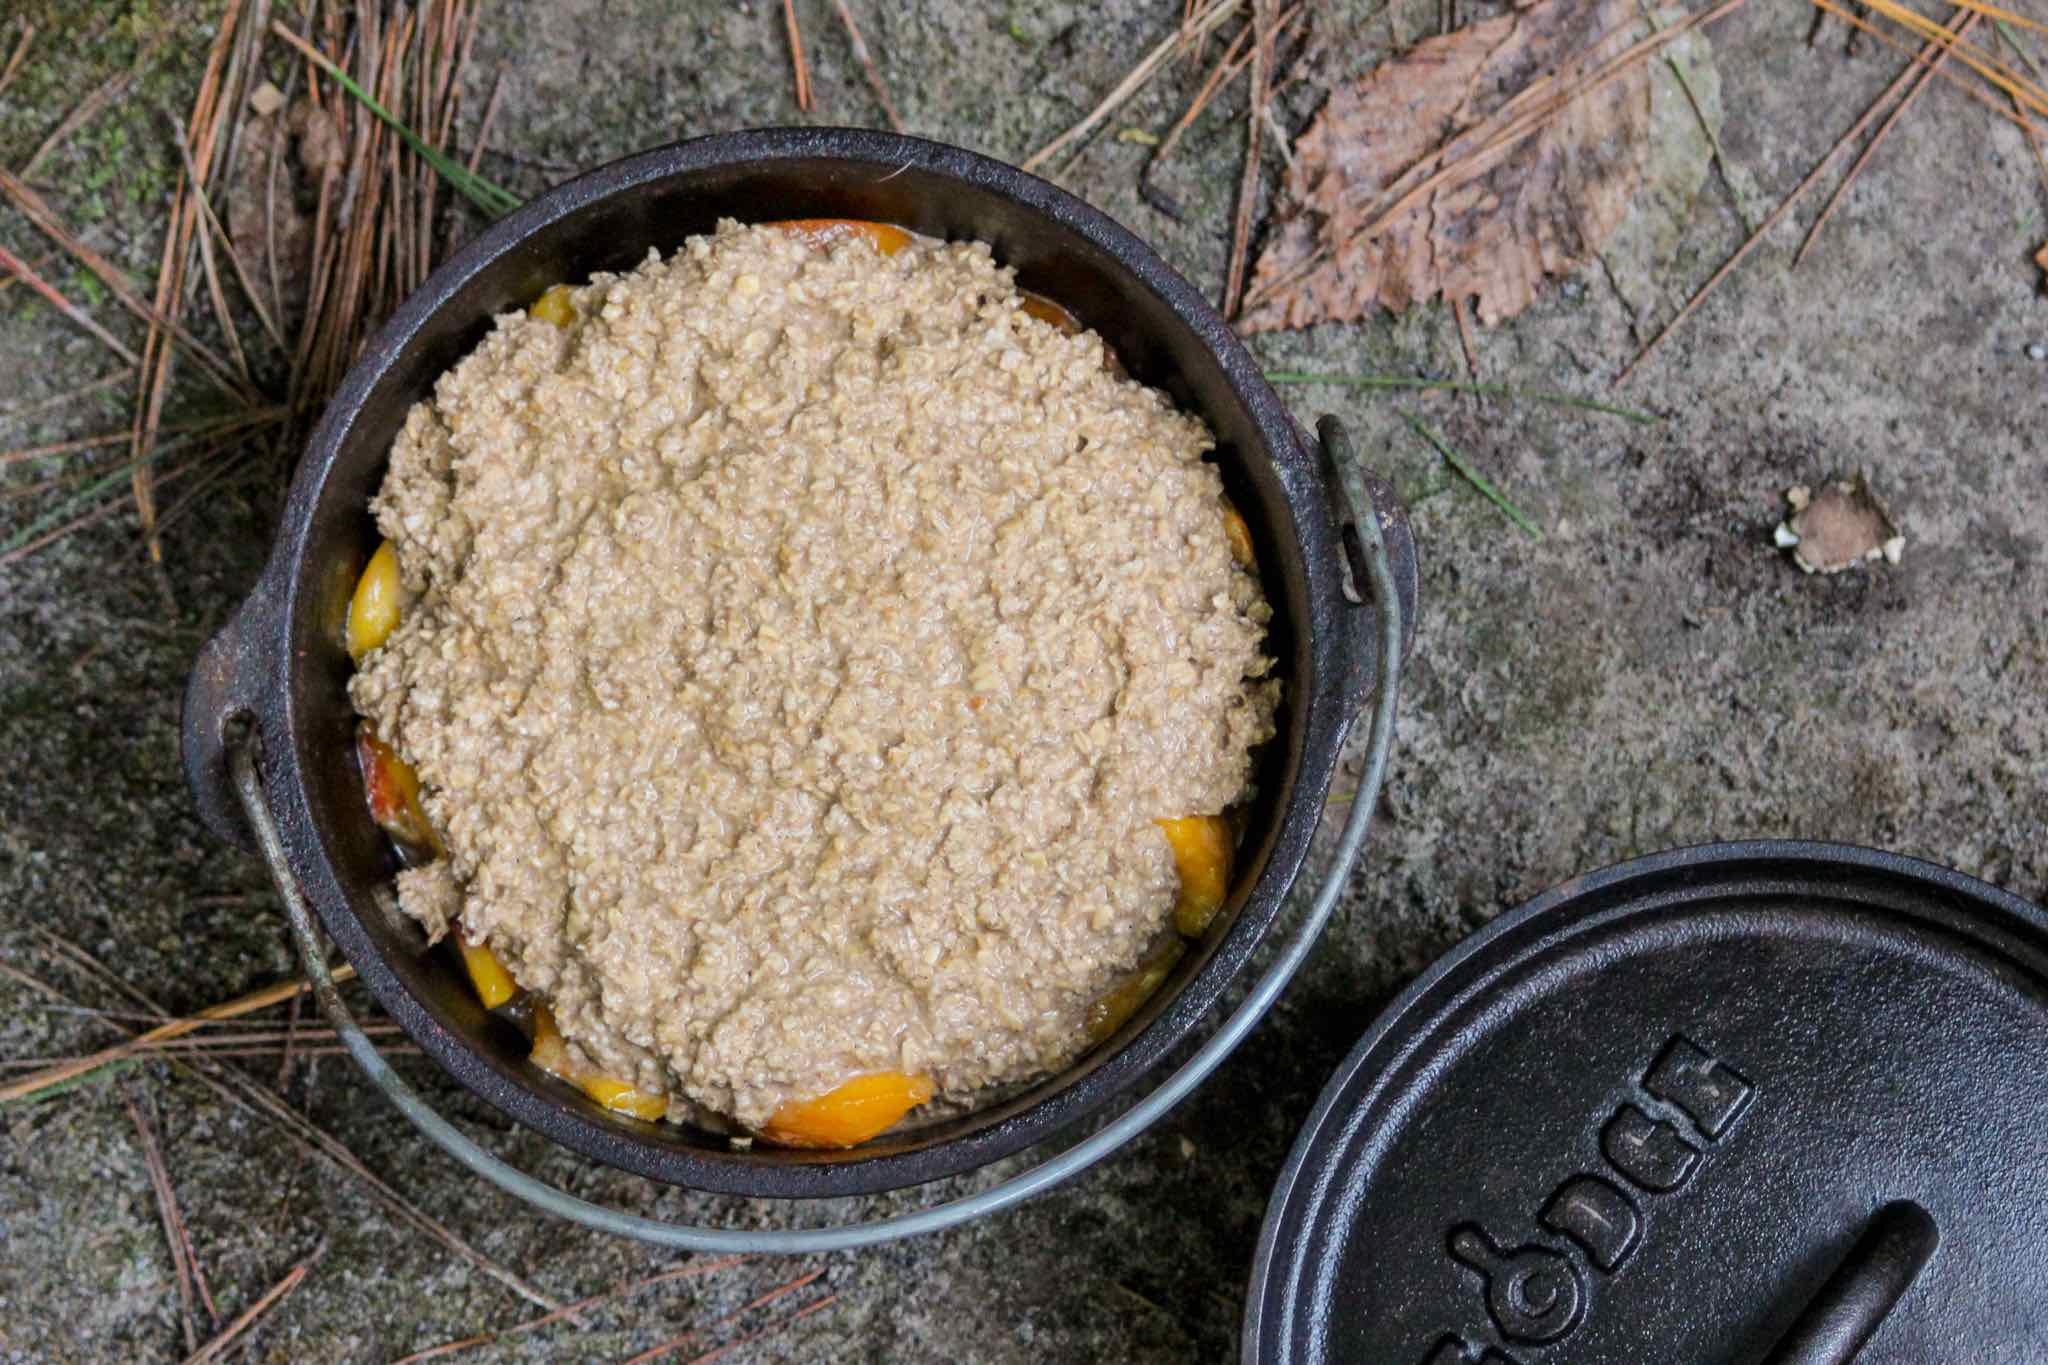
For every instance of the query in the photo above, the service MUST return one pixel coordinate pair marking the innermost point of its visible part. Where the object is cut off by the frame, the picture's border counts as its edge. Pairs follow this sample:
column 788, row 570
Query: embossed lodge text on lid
column 1767, row 1102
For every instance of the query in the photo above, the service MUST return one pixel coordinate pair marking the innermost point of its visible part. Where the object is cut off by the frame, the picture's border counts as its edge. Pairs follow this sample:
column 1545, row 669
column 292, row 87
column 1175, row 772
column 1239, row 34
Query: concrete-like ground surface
column 1652, row 673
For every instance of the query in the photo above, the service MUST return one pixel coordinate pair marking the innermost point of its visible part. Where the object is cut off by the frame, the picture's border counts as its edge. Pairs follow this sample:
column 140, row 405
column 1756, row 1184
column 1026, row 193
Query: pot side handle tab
column 1357, row 491
column 224, row 693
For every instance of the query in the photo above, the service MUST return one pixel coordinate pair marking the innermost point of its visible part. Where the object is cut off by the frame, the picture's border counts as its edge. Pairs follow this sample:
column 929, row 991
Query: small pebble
column 2038, row 351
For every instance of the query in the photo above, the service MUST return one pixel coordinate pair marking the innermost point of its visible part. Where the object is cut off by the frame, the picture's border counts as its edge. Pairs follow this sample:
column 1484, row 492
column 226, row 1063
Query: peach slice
column 373, row 611
column 494, row 985
column 887, row 237
column 551, row 1054
column 1201, row 850
column 1112, row 1011
column 850, row 1114
column 394, row 792
column 1237, row 534
column 554, row 305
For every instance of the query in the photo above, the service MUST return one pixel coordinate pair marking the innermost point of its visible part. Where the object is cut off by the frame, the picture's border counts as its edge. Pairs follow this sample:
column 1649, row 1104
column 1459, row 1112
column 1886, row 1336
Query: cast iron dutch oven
column 279, row 669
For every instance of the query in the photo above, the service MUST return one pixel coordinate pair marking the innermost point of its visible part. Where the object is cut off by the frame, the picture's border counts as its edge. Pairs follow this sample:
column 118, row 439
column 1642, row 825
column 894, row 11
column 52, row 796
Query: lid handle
column 1874, row 1276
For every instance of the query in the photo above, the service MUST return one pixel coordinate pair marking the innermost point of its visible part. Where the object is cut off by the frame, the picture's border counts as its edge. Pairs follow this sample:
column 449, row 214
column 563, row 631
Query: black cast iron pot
column 279, row 667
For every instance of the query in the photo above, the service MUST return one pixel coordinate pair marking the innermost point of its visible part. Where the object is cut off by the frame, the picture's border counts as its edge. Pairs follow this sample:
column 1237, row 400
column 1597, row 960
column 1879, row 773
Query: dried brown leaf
column 2041, row 259
column 1539, row 206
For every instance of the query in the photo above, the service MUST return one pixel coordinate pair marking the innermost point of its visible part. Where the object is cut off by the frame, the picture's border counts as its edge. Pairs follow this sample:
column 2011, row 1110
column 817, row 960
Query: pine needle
column 2017, row 115
column 50, row 293
column 867, row 64
column 1418, row 183
column 2003, row 16
column 1248, row 183
column 1913, row 92
column 1756, row 238
column 1402, row 381
column 687, row 1271
column 1476, row 479
column 219, row 1347
column 1200, row 24
column 1977, row 59
column 38, row 211
column 28, row 35
column 44, row 1083
column 492, row 199
column 796, row 56
column 674, row 1344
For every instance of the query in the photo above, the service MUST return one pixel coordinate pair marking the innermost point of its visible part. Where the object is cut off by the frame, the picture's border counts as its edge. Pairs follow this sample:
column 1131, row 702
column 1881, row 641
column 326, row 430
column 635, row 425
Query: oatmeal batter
column 800, row 643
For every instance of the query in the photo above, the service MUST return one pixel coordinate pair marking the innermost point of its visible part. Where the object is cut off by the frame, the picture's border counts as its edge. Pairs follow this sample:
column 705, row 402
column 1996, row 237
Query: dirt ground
column 1653, row 672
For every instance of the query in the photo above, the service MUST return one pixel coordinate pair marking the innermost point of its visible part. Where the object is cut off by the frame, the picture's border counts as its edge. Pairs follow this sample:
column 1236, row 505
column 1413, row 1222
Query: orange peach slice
column 394, row 791
column 1045, row 310
column 1237, row 534
column 849, row 1114
column 887, row 237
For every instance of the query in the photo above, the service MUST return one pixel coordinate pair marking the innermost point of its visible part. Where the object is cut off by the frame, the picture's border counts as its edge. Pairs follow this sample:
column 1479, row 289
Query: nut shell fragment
column 1839, row 527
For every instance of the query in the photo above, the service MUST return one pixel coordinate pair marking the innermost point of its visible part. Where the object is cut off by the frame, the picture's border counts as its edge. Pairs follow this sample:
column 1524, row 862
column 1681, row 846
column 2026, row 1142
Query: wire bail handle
column 1364, row 518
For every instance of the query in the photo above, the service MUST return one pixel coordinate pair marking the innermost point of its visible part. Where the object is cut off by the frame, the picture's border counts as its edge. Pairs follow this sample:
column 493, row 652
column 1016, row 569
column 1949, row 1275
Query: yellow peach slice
column 1112, row 1011
column 551, row 1054
column 555, row 306
column 373, row 611
column 1201, row 850
column 494, row 985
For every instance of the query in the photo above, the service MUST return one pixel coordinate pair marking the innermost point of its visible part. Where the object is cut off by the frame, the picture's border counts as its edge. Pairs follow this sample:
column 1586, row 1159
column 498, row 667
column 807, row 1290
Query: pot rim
column 1332, row 636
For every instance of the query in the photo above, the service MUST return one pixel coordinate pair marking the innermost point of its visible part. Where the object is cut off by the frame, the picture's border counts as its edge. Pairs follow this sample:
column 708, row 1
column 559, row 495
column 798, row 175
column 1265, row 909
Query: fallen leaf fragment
column 1537, row 208
column 1838, row 528
column 266, row 99
column 2041, row 259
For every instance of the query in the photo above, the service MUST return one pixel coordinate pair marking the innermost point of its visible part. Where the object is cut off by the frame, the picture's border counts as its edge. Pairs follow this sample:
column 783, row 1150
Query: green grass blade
column 1402, row 381
column 98, row 1074
column 492, row 199
column 1476, row 479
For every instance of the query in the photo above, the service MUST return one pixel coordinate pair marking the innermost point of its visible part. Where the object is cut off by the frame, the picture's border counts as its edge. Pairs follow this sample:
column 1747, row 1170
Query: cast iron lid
column 1738, row 1103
